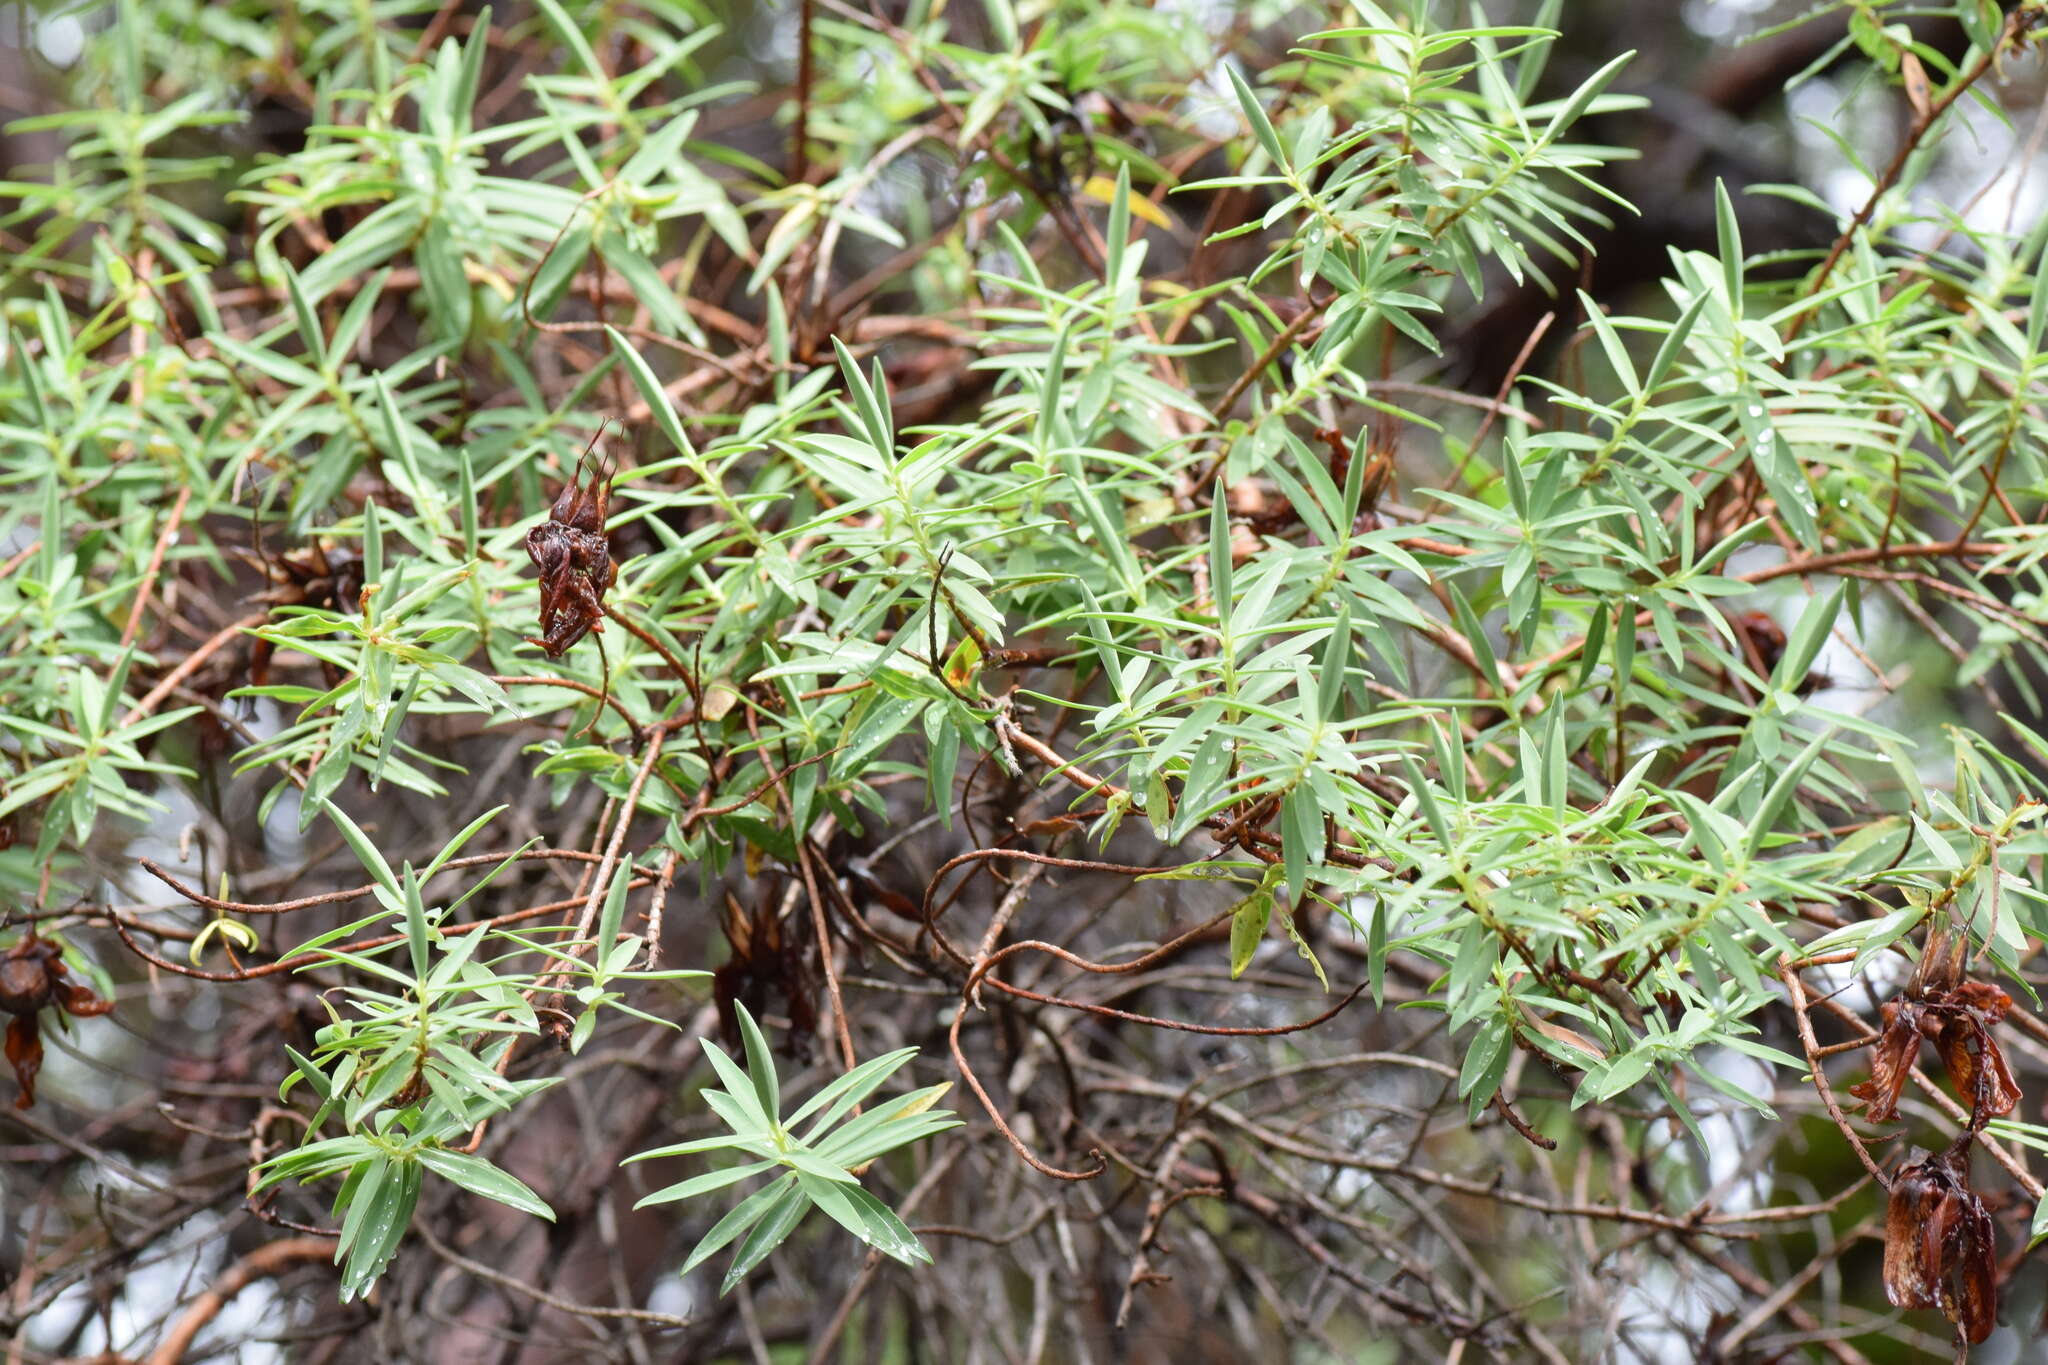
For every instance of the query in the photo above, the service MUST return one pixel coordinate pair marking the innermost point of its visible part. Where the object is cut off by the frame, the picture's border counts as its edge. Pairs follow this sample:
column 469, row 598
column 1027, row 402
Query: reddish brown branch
column 272, row 1258
column 2017, row 24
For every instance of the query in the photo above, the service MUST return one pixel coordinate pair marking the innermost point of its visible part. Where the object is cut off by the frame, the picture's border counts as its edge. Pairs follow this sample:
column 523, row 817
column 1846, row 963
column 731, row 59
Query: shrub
column 1004, row 575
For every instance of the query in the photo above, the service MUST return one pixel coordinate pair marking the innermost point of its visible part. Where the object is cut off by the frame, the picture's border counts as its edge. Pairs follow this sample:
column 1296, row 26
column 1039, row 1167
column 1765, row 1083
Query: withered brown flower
column 575, row 561
column 33, row 977
column 318, row 575
column 1957, row 1017
column 1938, row 1243
column 766, row 963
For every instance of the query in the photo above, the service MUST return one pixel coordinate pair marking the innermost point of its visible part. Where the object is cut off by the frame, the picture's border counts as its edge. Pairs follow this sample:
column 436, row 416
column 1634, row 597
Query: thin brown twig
column 927, row 911
column 840, row 1024
column 191, row 664
column 1002, row 1126
column 600, row 884
column 800, row 135
column 1507, row 383
column 272, row 1258
column 126, row 928
column 1276, row 1140
column 1756, row 1285
column 1287, row 336
column 574, row 685
column 156, row 564
column 1796, row 990
column 542, row 1296
column 354, row 893
column 2017, row 23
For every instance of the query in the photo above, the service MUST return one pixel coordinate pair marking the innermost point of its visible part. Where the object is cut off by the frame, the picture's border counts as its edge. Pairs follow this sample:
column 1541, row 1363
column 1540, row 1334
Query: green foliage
column 419, row 1059
column 1495, row 688
column 820, row 1168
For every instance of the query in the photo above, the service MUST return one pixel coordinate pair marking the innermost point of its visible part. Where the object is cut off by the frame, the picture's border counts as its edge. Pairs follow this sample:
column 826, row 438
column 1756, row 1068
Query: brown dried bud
column 32, row 977
column 1957, row 1016
column 25, row 978
column 1939, row 1249
column 575, row 562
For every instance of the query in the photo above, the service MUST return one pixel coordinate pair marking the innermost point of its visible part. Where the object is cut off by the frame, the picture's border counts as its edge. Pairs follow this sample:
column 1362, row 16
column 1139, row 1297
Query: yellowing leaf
column 910, row 1108
column 917, row 1104
column 1103, row 189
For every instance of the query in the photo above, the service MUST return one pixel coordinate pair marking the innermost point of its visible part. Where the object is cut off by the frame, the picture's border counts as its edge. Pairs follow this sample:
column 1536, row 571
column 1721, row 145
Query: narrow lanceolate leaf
column 777, row 1222
column 1729, row 235
column 416, row 929
column 1255, row 115
column 749, row 1212
column 614, row 913
column 760, row 1066
column 739, row 1092
column 1582, row 98
column 867, row 1218
column 1673, row 345
column 478, row 1176
column 1221, row 590
column 704, row 1184
column 849, row 1089
column 1783, row 474
column 1806, row 639
column 372, row 860
column 1301, row 832
column 1247, row 928
column 1336, row 662
column 1052, row 393
column 1119, row 231
column 308, row 322
column 658, row 402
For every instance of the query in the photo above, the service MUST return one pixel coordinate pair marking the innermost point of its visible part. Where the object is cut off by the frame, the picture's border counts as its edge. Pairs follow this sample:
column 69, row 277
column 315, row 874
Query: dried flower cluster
column 575, row 562
column 1957, row 1017
column 1939, row 1249
column 33, row 977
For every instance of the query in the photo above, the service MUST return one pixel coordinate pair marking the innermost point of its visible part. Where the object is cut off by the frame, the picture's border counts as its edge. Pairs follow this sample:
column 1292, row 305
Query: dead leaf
column 1917, row 93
